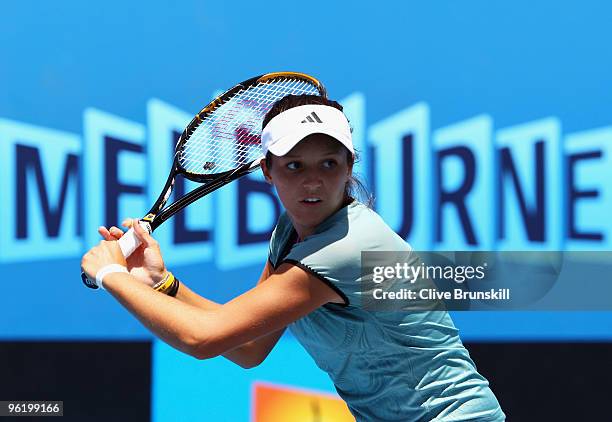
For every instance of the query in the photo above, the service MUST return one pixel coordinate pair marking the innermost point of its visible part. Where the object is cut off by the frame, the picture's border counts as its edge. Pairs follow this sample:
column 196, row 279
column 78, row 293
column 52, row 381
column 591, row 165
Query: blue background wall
column 516, row 64
column 72, row 74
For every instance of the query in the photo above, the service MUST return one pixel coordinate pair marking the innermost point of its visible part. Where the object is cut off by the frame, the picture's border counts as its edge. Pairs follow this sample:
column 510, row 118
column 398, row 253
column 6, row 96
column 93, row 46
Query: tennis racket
column 221, row 144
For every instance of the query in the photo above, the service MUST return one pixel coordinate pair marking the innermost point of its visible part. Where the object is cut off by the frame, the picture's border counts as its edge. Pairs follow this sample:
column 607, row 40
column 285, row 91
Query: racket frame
column 158, row 214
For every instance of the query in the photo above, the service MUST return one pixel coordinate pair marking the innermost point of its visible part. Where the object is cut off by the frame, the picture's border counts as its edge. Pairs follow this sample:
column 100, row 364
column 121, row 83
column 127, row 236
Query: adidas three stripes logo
column 312, row 118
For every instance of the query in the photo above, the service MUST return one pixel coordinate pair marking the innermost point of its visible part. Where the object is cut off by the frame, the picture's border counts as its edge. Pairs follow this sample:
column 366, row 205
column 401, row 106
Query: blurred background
column 481, row 126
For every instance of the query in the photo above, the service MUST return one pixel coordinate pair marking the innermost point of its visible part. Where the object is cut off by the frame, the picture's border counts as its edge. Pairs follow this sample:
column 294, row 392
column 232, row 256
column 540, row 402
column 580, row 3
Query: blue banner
column 480, row 126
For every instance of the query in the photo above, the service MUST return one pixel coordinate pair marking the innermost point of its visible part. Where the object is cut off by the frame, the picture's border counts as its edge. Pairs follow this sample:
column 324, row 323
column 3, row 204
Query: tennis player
column 408, row 366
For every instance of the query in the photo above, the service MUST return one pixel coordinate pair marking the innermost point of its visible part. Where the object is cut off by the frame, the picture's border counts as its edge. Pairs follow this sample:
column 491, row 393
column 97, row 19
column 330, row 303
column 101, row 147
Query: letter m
column 28, row 161
column 40, row 193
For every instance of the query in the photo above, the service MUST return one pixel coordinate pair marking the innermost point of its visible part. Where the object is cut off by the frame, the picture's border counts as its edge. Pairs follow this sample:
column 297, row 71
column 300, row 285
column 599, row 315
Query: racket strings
column 230, row 135
column 247, row 107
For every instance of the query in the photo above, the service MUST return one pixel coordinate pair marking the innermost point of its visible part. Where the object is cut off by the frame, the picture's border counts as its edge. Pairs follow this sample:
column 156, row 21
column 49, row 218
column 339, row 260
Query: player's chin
column 312, row 215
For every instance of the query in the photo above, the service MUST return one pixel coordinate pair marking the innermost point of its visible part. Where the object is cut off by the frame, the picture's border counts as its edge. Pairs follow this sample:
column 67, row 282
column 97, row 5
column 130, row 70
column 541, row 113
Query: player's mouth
column 311, row 200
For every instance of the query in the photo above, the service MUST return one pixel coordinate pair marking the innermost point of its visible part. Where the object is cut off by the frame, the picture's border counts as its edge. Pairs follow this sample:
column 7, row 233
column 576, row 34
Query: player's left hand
column 106, row 253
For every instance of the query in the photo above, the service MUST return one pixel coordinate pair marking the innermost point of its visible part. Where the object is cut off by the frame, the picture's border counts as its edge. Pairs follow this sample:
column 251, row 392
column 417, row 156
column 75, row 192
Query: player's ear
column 265, row 170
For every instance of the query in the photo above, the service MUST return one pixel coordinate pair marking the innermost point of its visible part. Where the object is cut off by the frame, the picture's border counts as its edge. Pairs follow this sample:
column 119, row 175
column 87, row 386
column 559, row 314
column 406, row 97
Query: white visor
column 287, row 129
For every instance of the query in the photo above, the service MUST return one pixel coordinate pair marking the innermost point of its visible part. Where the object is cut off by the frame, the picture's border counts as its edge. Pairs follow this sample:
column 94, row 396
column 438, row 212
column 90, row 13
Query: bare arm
column 287, row 295
column 148, row 267
column 247, row 355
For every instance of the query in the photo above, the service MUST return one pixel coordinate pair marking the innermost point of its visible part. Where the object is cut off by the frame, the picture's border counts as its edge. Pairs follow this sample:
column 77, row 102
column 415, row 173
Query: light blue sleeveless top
column 387, row 366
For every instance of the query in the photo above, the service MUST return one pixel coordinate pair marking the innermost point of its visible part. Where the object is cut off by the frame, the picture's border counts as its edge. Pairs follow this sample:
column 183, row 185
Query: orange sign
column 274, row 403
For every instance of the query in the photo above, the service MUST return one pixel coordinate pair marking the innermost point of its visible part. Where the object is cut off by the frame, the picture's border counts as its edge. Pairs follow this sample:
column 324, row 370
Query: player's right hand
column 146, row 263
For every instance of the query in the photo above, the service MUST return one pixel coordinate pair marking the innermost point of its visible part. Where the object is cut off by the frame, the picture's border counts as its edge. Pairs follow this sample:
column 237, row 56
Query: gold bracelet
column 165, row 283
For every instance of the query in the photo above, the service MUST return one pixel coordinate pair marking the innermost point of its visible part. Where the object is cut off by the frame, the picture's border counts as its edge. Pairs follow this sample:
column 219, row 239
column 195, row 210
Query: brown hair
column 355, row 188
column 291, row 101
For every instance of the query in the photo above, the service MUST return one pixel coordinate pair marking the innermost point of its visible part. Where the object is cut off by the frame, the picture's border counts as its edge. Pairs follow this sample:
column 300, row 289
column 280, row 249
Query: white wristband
column 111, row 268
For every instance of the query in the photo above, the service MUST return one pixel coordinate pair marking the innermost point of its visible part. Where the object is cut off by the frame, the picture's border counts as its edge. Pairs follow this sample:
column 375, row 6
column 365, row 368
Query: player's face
column 310, row 180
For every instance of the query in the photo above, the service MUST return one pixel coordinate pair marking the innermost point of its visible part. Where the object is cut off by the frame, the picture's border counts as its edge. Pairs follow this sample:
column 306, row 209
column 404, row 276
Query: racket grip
column 129, row 242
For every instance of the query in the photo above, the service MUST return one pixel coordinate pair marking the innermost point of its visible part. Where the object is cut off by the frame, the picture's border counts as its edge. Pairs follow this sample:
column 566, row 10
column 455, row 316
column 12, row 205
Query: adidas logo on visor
column 312, row 118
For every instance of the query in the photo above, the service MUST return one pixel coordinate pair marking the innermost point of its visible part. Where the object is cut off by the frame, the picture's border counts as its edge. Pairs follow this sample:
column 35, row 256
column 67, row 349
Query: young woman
column 387, row 366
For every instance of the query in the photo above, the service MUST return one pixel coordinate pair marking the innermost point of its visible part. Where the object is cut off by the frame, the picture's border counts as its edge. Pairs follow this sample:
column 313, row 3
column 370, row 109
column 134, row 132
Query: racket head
column 226, row 134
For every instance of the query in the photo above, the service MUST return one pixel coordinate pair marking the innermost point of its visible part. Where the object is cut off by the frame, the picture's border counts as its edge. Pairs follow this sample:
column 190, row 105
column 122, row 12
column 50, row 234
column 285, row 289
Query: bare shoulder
column 288, row 294
column 298, row 279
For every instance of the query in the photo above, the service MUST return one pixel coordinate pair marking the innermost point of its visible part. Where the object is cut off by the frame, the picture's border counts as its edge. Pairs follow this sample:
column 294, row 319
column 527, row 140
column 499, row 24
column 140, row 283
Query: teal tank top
column 387, row 366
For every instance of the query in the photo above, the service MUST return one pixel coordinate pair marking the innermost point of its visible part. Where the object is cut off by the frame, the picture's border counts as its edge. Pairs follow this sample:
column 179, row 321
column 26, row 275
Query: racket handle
column 128, row 244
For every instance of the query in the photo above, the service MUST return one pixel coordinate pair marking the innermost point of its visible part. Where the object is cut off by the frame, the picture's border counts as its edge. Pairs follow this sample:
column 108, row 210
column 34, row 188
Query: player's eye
column 293, row 165
column 330, row 163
